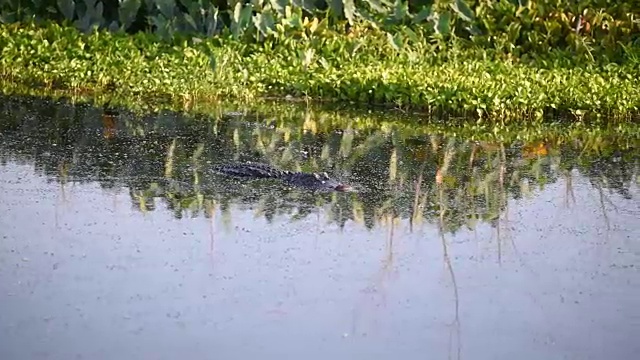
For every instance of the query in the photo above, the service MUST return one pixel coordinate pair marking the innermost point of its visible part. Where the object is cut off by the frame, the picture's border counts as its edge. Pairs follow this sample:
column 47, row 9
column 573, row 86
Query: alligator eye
column 326, row 176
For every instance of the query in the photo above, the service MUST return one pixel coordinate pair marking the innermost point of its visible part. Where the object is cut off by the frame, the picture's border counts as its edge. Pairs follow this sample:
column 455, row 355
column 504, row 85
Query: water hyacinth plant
column 492, row 59
column 512, row 26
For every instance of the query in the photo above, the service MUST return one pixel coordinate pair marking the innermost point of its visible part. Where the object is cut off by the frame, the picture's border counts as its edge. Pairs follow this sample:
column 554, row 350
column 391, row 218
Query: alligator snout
column 343, row 188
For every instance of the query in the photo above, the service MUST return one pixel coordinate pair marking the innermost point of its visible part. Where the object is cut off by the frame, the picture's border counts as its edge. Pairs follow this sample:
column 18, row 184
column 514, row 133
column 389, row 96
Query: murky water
column 116, row 242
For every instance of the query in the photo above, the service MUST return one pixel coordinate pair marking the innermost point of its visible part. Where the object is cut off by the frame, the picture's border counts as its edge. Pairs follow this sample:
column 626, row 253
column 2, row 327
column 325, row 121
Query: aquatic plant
column 366, row 70
column 589, row 28
column 63, row 58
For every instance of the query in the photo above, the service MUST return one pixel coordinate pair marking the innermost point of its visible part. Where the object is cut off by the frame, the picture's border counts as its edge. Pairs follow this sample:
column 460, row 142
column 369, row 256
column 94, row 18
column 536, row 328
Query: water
column 117, row 243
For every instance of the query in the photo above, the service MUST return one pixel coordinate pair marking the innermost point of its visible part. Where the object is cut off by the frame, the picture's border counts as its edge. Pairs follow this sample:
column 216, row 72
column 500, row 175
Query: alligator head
column 316, row 181
column 324, row 181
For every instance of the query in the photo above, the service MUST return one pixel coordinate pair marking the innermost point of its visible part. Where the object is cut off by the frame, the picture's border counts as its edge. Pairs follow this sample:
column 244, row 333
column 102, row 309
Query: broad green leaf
column 211, row 22
column 190, row 21
column 349, row 10
column 264, row 22
column 279, row 5
column 463, row 10
column 161, row 26
column 377, row 6
column 127, row 11
column 411, row 35
column 400, row 10
column 336, row 7
column 304, row 4
column 364, row 14
column 67, row 8
column 295, row 21
column 245, row 15
column 99, row 11
column 166, row 7
column 422, row 15
column 444, row 23
column 236, row 12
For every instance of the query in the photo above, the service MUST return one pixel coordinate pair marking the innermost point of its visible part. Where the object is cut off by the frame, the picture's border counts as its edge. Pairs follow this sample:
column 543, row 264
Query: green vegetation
column 63, row 58
column 403, row 170
column 504, row 60
column 594, row 28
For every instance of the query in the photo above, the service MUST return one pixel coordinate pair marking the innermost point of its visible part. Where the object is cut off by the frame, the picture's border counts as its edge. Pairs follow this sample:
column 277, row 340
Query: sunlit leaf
column 264, row 22
column 463, row 10
column 395, row 41
column 349, row 10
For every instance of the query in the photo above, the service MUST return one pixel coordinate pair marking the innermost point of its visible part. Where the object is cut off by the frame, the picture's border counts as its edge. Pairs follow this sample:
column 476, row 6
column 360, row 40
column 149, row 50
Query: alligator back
column 250, row 169
column 316, row 181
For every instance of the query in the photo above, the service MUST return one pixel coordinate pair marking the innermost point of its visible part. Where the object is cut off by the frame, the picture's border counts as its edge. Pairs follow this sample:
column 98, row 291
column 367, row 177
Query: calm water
column 117, row 243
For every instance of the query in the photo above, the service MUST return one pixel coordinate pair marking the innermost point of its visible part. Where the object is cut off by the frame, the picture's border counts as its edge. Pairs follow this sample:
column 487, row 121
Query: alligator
column 315, row 181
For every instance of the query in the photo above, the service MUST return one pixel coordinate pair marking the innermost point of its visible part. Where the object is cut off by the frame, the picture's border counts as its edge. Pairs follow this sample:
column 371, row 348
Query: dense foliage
column 367, row 69
column 61, row 57
column 502, row 59
column 587, row 27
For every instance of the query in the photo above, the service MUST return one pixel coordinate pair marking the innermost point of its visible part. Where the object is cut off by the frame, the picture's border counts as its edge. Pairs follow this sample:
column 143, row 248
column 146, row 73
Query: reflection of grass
column 399, row 167
column 441, row 224
column 377, row 290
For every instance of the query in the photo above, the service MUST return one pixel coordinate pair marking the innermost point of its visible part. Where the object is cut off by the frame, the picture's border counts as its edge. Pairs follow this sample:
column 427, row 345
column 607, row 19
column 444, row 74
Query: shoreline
column 330, row 118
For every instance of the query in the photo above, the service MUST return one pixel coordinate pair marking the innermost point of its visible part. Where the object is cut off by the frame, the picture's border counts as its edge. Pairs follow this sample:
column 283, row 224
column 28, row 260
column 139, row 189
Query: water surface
column 116, row 242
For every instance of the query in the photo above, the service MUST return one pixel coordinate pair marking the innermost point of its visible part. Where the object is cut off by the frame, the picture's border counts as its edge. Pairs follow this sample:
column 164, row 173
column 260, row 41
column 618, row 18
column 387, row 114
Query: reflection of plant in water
column 443, row 209
column 399, row 168
column 380, row 280
column 210, row 212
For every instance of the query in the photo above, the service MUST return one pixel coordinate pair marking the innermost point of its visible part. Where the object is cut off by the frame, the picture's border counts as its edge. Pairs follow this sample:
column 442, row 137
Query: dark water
column 116, row 242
